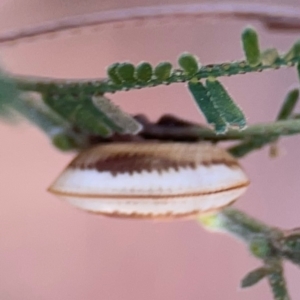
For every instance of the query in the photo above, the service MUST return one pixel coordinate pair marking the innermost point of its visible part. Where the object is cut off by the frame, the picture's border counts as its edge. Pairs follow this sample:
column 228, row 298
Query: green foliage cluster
column 73, row 101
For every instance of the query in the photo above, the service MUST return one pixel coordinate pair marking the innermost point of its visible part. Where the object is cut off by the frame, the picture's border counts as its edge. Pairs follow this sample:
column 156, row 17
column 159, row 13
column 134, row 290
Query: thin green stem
column 101, row 86
column 246, row 147
column 278, row 128
column 241, row 225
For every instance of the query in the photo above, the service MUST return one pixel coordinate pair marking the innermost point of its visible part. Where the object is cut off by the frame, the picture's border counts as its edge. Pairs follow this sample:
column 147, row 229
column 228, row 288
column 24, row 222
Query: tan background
column 48, row 250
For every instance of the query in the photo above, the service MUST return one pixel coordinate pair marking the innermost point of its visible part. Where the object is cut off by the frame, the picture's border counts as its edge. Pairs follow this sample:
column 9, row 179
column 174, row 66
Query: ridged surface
column 137, row 157
column 151, row 180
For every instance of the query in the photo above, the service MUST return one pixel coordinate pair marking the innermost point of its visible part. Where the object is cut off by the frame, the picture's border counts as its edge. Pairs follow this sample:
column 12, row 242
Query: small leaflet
column 9, row 95
column 64, row 142
column 144, row 72
column 293, row 52
column 80, row 112
column 251, row 46
column 112, row 73
column 269, row 56
column 254, row 277
column 128, row 124
column 229, row 111
column 207, row 107
column 189, row 63
column 125, row 72
column 288, row 105
column 163, row 71
column 37, row 112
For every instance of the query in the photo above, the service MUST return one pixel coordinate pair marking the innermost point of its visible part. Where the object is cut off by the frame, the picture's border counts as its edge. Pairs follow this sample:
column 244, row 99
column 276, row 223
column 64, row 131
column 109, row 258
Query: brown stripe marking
column 138, row 157
column 121, row 164
column 160, row 217
column 136, row 164
column 118, row 196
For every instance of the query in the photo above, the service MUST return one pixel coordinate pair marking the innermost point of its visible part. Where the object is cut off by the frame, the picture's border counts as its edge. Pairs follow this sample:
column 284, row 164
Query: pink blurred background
column 49, row 250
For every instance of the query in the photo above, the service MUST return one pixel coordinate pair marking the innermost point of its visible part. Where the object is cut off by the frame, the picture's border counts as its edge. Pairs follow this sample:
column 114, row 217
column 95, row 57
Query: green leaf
column 269, row 56
column 81, row 112
column 126, row 72
column 288, row 105
column 128, row 124
column 189, row 63
column 229, row 111
column 63, row 142
column 112, row 73
column 254, row 277
column 298, row 70
column 9, row 95
column 293, row 52
column 207, row 107
column 251, row 46
column 38, row 113
column 144, row 72
column 163, row 71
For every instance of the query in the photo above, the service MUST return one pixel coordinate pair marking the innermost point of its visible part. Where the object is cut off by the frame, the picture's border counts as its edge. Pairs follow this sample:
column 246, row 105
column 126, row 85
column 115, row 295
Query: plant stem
column 236, row 223
column 101, row 86
column 278, row 128
column 261, row 240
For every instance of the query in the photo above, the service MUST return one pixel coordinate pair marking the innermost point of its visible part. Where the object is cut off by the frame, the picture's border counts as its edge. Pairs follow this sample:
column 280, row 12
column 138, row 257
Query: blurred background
column 49, row 250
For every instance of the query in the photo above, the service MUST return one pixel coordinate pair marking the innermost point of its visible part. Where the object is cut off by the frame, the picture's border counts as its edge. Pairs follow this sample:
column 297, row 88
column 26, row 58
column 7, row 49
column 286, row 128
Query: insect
column 152, row 180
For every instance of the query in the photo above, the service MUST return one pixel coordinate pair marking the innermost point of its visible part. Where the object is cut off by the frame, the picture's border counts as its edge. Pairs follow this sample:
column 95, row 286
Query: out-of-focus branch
column 275, row 17
column 267, row 243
